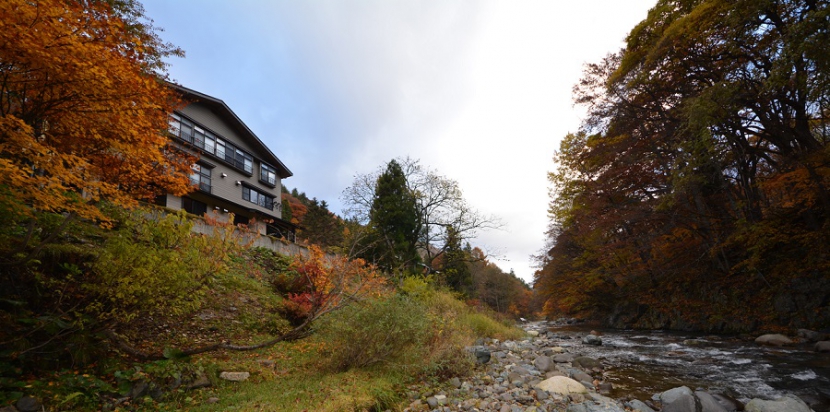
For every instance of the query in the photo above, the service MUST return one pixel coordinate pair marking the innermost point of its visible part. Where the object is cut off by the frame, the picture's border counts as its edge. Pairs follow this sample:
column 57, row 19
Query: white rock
column 561, row 385
column 785, row 404
column 234, row 376
column 774, row 339
column 533, row 333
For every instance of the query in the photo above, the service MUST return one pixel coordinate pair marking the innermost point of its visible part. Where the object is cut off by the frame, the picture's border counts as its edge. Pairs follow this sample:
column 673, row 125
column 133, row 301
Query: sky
column 478, row 90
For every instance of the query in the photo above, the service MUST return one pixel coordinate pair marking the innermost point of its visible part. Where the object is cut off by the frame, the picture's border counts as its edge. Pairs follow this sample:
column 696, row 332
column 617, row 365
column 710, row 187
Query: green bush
column 387, row 331
column 153, row 264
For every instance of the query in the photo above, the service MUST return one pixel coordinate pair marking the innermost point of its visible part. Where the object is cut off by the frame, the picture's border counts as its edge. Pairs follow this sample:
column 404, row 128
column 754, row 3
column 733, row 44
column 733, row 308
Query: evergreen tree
column 395, row 220
column 320, row 226
column 456, row 272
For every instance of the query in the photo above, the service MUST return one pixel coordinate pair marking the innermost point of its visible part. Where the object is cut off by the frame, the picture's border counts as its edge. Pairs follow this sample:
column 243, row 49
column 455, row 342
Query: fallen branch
column 297, row 333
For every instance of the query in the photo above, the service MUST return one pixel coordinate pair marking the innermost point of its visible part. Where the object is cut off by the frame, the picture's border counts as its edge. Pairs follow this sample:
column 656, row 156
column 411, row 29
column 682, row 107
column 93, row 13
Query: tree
column 320, row 226
column 83, row 112
column 439, row 200
column 454, row 268
column 395, row 220
column 706, row 132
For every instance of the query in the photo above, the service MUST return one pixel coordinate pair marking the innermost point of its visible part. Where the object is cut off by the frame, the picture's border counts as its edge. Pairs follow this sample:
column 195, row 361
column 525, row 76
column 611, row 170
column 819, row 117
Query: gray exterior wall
column 226, row 187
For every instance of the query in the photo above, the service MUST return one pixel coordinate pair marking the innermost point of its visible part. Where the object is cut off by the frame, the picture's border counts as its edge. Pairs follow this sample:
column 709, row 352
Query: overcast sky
column 478, row 90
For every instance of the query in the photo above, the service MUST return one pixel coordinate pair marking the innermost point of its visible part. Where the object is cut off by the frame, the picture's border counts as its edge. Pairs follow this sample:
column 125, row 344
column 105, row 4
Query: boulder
column 587, row 363
column 482, row 355
column 681, row 401
column 673, row 394
column 591, row 339
column 533, row 333
column 773, row 339
column 638, row 406
column 561, row 385
column 543, row 363
column 28, row 404
column 708, row 403
column 201, row 381
column 784, row 404
column 564, row 358
column 823, row 346
column 810, row 335
column 729, row 403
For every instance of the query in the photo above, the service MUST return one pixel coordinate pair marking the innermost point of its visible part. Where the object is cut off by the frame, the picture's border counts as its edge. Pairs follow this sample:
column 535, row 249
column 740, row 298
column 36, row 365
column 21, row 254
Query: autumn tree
column 706, row 136
column 83, row 112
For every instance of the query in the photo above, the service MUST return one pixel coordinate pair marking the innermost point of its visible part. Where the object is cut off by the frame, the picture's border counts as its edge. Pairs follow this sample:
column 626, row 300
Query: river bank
column 562, row 368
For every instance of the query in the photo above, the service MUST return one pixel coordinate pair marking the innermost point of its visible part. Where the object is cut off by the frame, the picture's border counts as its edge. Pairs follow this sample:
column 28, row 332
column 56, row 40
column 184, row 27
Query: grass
column 298, row 379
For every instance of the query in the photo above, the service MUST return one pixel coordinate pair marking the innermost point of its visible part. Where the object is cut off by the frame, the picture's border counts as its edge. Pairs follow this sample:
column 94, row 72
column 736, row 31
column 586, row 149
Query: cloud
column 479, row 90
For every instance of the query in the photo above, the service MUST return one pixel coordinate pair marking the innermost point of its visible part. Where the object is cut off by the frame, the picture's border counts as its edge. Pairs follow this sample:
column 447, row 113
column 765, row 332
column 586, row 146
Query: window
column 200, row 177
column 257, row 197
column 193, row 206
column 267, row 174
column 210, row 143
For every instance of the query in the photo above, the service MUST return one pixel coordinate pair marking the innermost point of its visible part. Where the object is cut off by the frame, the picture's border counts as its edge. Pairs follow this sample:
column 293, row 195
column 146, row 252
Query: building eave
column 223, row 111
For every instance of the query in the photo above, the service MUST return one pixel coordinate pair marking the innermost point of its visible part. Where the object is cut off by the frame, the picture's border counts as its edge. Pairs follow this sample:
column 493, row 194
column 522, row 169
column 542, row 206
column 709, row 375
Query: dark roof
column 225, row 113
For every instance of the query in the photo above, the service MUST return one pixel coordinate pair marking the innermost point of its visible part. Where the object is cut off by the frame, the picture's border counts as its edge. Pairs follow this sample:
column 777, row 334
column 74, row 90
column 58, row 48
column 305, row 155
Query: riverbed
column 642, row 363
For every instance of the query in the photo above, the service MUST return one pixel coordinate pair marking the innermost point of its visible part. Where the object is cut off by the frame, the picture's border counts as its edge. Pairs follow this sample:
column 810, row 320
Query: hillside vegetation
column 696, row 195
column 98, row 313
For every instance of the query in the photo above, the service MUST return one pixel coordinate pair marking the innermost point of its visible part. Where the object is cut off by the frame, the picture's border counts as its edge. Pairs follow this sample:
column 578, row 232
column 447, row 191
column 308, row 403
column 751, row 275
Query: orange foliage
column 330, row 281
column 83, row 111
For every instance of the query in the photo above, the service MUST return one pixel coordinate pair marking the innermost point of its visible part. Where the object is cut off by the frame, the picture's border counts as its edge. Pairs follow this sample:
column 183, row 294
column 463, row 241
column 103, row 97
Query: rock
column 212, row 400
column 729, row 403
column 784, row 404
column 592, row 340
column 138, row 390
column 442, row 399
column 28, row 404
column 638, row 406
column 810, row 335
column 708, row 403
column 587, row 363
column 823, row 346
column 773, row 339
column 201, row 382
column 682, row 402
column 673, row 394
column 561, row 385
column 563, row 358
column 582, row 377
column 543, row 363
column 234, row 376
column 432, row 402
column 533, row 333
column 482, row 356
column 605, row 388
column 455, row 383
column 541, row 394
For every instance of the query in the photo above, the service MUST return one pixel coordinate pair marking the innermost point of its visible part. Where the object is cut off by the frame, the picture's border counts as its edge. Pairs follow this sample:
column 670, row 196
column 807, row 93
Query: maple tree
column 83, row 111
column 708, row 130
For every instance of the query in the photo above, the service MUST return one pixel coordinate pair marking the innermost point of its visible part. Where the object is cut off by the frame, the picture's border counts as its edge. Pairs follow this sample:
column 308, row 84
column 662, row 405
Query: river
column 642, row 363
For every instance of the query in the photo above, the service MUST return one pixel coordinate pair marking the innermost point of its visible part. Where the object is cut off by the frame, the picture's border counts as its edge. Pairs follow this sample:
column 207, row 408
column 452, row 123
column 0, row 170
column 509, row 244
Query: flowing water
column 642, row 363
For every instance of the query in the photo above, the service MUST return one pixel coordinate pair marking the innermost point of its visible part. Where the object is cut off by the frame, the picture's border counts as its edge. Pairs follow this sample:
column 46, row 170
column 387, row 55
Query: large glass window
column 194, row 206
column 257, row 197
column 267, row 174
column 210, row 143
column 200, row 177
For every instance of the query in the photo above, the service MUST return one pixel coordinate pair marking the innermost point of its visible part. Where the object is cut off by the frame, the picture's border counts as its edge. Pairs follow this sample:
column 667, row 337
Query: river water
column 642, row 363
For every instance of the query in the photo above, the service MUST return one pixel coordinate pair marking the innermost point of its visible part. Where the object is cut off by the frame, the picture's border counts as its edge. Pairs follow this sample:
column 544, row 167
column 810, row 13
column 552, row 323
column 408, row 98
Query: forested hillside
column 695, row 196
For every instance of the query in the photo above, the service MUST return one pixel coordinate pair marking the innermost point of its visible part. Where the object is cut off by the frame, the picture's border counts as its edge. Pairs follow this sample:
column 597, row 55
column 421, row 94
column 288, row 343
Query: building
column 236, row 172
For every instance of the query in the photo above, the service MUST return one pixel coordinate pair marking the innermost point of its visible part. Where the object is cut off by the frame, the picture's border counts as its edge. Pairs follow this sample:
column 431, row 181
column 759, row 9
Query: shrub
column 392, row 330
